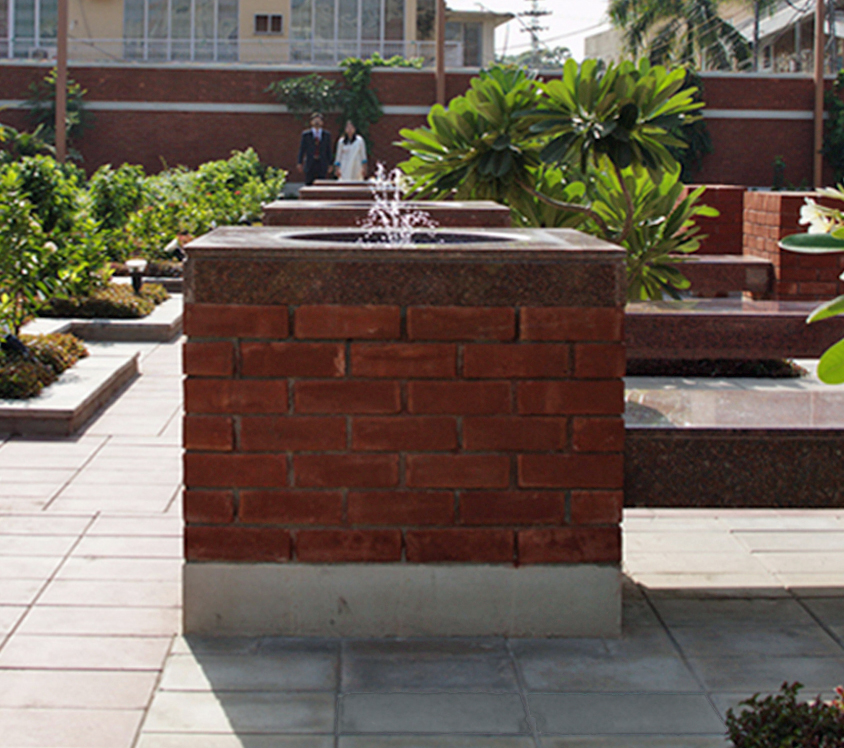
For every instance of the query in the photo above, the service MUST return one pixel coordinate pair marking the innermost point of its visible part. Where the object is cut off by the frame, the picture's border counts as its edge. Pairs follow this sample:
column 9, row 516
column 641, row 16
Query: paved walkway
column 718, row 605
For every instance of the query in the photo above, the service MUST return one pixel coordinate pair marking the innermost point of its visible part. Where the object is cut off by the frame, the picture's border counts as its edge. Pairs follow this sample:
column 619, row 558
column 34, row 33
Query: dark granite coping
column 504, row 245
column 406, row 205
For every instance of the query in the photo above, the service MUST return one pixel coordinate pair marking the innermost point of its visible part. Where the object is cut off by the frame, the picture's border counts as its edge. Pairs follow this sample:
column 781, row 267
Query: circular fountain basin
column 422, row 237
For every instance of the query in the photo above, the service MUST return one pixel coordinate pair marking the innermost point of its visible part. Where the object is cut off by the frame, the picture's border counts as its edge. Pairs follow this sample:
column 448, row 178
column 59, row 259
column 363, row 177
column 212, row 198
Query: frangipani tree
column 588, row 151
column 825, row 235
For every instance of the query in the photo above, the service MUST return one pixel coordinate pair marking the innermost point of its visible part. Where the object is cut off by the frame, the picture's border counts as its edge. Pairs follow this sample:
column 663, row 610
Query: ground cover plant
column 781, row 721
column 113, row 301
column 589, row 151
column 32, row 362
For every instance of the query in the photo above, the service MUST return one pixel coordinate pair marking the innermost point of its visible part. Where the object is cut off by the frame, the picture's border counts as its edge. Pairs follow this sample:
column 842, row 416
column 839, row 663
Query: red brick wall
column 744, row 149
column 770, row 216
column 400, row 431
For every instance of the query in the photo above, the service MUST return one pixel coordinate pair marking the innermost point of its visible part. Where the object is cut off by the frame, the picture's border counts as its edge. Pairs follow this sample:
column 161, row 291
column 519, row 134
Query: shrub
column 115, row 194
column 780, row 721
column 25, row 254
column 112, row 302
column 53, row 190
column 24, row 376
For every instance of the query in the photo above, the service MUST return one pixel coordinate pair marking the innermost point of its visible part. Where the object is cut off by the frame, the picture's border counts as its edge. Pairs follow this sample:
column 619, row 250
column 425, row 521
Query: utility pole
column 817, row 171
column 440, row 53
column 533, row 27
column 61, row 83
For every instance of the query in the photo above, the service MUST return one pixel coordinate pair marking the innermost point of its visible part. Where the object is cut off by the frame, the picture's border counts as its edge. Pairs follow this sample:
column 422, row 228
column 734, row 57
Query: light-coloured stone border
column 69, row 403
column 160, row 326
column 402, row 599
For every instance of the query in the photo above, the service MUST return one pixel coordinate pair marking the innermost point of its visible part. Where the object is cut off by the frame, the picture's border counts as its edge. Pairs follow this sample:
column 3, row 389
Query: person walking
column 350, row 163
column 314, row 150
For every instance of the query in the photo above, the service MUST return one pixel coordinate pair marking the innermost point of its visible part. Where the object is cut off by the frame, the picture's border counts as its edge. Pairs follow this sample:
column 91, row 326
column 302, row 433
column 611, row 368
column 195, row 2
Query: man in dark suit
column 315, row 156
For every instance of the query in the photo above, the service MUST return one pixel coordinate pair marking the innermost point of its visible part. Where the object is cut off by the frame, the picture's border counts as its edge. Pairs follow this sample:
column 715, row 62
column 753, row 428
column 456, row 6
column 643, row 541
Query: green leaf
column 812, row 243
column 831, row 365
column 829, row 309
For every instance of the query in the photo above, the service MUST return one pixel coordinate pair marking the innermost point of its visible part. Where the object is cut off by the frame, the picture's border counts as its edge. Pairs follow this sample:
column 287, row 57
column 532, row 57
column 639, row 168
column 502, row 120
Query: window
column 463, row 44
column 180, row 29
column 268, row 23
column 28, row 27
column 330, row 30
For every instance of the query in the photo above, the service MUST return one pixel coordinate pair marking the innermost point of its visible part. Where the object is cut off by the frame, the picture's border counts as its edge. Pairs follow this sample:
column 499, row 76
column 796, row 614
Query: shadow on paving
column 684, row 658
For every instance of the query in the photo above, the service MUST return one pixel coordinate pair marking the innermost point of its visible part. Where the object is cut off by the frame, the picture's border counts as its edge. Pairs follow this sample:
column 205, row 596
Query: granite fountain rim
column 505, row 245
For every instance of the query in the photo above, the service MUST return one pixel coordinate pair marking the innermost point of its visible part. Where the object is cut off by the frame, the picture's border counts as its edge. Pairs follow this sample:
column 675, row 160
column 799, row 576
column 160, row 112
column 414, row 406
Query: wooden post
column 61, row 83
column 440, row 53
column 817, row 171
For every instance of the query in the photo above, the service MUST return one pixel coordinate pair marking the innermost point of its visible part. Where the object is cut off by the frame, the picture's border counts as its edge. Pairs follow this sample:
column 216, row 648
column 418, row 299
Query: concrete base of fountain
column 402, row 599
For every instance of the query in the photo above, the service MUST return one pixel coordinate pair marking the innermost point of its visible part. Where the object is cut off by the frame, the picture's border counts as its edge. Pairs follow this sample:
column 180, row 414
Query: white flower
column 816, row 216
column 836, row 193
column 51, row 247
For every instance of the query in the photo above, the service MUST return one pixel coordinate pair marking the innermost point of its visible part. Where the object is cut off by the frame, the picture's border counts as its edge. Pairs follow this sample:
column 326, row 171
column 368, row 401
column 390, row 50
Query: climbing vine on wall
column 353, row 98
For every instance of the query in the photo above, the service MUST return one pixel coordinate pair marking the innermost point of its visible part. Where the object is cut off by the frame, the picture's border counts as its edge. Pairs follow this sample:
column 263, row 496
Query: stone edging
column 74, row 399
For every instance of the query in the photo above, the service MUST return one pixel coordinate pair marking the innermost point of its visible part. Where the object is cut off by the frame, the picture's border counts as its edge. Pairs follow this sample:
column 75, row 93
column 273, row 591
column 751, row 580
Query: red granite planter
column 429, row 434
column 770, row 216
column 351, row 213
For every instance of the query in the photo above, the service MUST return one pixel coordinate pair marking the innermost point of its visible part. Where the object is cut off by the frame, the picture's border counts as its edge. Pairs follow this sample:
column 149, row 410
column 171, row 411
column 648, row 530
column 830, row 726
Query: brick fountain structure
column 403, row 441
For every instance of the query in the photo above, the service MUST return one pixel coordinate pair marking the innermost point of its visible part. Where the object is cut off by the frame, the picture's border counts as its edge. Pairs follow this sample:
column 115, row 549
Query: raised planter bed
column 69, row 403
column 162, row 325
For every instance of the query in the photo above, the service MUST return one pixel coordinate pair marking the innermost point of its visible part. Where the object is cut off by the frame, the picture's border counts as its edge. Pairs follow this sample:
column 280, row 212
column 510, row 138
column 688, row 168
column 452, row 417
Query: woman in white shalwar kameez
column 350, row 164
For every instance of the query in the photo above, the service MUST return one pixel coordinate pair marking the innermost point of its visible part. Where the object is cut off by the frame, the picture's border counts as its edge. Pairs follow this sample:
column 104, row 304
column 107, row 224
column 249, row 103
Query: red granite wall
column 770, row 216
column 389, row 432
column 724, row 232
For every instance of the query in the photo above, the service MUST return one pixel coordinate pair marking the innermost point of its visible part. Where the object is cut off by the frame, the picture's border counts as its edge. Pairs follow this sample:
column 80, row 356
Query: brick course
column 398, row 432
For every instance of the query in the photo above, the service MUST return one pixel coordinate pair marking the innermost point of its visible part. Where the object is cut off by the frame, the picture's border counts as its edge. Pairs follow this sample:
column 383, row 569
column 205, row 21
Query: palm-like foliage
column 680, row 31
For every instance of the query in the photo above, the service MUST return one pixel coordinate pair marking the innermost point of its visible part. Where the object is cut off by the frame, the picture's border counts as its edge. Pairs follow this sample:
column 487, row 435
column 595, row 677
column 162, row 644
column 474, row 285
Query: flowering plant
column 825, row 235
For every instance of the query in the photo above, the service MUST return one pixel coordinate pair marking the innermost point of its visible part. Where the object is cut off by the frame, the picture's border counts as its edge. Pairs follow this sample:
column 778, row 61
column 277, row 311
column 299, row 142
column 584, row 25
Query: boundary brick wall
column 770, row 116
column 347, row 410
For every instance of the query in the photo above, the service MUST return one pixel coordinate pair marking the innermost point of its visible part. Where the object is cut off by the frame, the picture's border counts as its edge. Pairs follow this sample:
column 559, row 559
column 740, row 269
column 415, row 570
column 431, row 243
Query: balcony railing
column 266, row 51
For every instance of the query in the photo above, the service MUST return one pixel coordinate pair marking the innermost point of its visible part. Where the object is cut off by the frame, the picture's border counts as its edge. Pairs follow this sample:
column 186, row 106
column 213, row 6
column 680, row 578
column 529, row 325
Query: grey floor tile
column 591, row 714
column 829, row 610
column 733, row 612
column 290, row 672
column 428, row 665
column 697, row 641
column 433, row 713
column 434, row 741
column 259, row 713
column 645, row 661
column 199, row 645
column 760, row 673
column 67, row 689
column 184, row 740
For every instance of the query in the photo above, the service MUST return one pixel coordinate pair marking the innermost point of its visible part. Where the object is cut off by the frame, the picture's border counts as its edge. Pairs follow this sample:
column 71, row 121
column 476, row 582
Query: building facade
column 308, row 32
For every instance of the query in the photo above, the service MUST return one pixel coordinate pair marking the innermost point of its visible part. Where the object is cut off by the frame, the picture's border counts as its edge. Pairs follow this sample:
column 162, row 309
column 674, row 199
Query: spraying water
column 390, row 221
